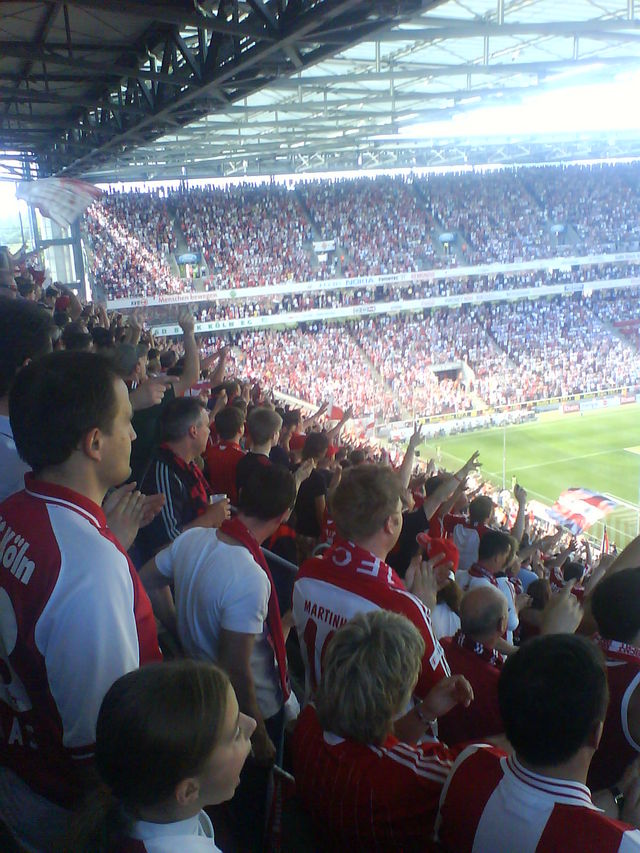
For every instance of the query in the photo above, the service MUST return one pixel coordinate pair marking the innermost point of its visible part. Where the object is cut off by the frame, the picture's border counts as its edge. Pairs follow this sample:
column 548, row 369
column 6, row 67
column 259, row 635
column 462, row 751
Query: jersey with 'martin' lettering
column 74, row 617
column 329, row 591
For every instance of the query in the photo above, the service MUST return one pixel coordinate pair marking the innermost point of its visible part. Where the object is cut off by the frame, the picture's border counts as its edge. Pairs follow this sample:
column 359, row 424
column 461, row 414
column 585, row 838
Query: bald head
column 482, row 612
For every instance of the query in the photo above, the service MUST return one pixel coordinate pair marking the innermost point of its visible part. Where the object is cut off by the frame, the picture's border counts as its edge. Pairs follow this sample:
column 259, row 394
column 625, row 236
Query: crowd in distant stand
column 251, row 235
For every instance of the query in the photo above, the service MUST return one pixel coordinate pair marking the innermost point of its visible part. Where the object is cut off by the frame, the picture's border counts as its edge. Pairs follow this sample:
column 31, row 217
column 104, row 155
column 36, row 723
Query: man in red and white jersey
column 221, row 458
column 553, row 700
column 365, row 789
column 74, row 615
column 352, row 576
column 615, row 608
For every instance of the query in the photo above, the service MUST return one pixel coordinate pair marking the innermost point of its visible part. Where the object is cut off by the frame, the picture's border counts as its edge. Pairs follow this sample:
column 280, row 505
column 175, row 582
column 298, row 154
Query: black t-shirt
column 145, row 423
column 313, row 487
column 249, row 463
column 279, row 456
column 412, row 523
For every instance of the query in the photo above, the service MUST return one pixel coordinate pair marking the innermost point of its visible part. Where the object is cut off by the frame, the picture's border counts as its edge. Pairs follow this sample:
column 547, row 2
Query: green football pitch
column 596, row 450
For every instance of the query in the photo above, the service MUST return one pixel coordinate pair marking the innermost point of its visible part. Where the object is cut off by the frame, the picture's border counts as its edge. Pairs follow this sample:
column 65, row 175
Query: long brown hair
column 157, row 725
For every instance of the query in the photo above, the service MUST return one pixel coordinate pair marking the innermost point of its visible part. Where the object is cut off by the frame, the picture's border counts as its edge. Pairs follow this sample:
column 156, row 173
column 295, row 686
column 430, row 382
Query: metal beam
column 618, row 28
column 251, row 58
column 173, row 13
column 427, row 70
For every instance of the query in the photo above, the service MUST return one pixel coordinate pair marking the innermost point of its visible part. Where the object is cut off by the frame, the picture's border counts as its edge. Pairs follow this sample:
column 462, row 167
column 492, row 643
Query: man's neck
column 182, row 449
column 262, row 449
column 574, row 770
column 490, row 569
column 4, row 406
column 487, row 641
column 77, row 480
column 167, row 814
column 260, row 530
column 377, row 545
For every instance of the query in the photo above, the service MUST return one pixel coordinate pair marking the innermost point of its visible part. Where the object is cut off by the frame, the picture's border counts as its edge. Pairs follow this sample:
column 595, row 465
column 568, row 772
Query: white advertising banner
column 399, row 305
column 370, row 281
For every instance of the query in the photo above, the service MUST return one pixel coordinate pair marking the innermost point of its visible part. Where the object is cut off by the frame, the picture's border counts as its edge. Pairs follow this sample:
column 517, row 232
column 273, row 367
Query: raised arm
column 518, row 527
column 407, row 463
column 191, row 371
column 446, row 489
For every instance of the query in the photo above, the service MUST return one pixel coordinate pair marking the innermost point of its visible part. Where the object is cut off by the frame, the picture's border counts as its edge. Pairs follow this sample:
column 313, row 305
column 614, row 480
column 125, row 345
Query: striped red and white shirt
column 492, row 804
column 368, row 798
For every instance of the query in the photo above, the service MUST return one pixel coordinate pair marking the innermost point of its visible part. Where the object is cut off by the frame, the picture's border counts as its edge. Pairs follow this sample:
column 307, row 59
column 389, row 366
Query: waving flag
column 60, row 199
column 578, row 509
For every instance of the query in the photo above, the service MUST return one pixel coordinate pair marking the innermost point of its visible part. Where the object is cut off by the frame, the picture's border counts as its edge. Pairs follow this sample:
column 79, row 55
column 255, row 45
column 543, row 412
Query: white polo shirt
column 12, row 468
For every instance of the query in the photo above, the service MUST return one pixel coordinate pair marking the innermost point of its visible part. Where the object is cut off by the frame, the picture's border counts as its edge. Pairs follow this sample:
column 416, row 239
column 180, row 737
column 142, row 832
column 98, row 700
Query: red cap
column 433, row 546
column 62, row 303
column 297, row 440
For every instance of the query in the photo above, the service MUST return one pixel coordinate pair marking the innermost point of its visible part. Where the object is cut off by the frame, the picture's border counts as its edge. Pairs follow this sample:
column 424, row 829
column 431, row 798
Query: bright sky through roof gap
column 597, row 107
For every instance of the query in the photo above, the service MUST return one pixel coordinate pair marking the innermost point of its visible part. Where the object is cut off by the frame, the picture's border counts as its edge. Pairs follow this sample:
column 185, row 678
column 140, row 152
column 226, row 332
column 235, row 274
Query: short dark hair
column 315, row 446
column 56, row 400
column 616, row 605
column 480, row 509
column 494, row 542
column 552, row 693
column 25, row 285
column 269, row 491
column 434, row 482
column 291, row 418
column 572, row 570
column 102, row 337
column 26, row 330
column 168, row 359
column 75, row 337
column 229, row 422
column 178, row 416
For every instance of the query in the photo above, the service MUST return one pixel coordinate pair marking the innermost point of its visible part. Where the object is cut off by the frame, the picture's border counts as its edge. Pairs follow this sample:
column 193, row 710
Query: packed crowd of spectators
column 252, row 235
column 601, row 202
column 124, row 233
column 380, row 224
column 494, row 215
column 267, row 598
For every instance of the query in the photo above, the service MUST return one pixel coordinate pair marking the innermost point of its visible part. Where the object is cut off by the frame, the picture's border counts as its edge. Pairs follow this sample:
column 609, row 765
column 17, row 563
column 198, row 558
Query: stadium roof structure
column 136, row 90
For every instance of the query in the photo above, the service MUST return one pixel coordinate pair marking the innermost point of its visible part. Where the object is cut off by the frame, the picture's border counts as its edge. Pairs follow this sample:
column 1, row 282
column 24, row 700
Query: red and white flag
column 578, row 509
column 60, row 199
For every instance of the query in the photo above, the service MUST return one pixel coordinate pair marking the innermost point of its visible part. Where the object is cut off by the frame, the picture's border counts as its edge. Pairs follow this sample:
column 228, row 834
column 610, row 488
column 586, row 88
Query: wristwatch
column 618, row 798
column 423, row 717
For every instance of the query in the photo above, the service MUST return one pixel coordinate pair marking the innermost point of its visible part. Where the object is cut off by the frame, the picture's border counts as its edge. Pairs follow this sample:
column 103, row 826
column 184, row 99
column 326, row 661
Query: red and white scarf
column 478, row 571
column 491, row 656
column 617, row 650
column 358, row 562
column 235, row 529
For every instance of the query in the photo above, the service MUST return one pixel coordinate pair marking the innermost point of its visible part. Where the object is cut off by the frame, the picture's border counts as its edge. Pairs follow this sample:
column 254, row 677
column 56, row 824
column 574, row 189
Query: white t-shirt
column 218, row 586
column 12, row 468
column 194, row 835
column 444, row 621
